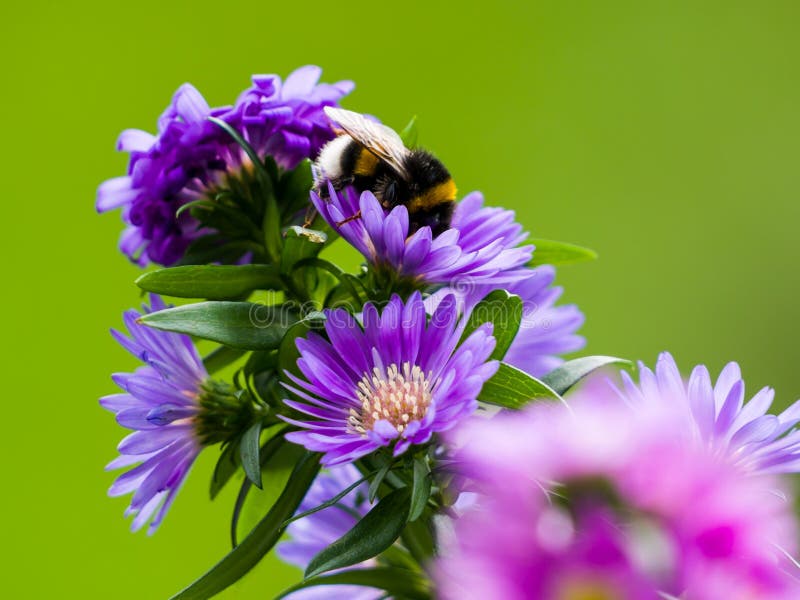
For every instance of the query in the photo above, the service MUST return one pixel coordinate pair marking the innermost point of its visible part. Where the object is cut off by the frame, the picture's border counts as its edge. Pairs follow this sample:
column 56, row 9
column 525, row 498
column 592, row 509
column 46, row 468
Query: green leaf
column 201, row 204
column 221, row 357
column 418, row 538
column 373, row 534
column 249, row 453
column 409, row 134
column 397, row 582
column 421, row 489
column 504, row 311
column 328, row 503
column 266, row 174
column 242, row 325
column 293, row 189
column 375, row 484
column 274, row 444
column 550, row 252
column 226, row 466
column 271, row 225
column 217, row 248
column 215, row 282
column 300, row 243
column 347, row 280
column 259, row 362
column 260, row 540
column 512, row 388
column 564, row 377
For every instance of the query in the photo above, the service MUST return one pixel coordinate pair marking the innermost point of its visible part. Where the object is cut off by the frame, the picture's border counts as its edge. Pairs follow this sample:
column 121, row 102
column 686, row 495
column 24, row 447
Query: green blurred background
column 662, row 134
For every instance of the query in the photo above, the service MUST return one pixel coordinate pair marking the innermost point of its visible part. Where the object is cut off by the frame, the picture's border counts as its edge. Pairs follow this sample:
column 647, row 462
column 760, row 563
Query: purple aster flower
column 160, row 403
column 545, row 554
column 482, row 244
column 286, row 120
column 613, row 501
column 396, row 381
column 174, row 409
column 312, row 534
column 190, row 157
column 546, row 330
column 742, row 431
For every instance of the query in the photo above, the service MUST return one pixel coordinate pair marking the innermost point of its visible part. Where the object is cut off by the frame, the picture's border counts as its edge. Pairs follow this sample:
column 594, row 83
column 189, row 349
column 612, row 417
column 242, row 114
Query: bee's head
column 391, row 191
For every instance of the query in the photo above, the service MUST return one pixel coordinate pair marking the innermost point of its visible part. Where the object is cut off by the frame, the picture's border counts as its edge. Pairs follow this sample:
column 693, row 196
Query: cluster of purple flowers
column 190, row 156
column 663, row 488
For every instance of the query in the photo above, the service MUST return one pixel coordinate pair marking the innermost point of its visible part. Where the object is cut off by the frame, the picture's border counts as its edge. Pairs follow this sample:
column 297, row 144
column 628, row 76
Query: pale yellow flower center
column 586, row 590
column 399, row 396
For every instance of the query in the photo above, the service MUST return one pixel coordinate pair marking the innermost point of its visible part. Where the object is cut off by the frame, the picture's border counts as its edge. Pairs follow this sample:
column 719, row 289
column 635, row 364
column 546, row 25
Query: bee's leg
column 350, row 218
column 311, row 214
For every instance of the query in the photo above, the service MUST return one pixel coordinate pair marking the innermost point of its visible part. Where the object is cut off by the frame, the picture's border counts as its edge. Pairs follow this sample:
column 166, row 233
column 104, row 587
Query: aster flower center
column 399, row 396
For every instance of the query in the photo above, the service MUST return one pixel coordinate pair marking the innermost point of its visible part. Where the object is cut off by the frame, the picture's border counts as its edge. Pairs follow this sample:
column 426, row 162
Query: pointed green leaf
column 248, row 451
column 567, row 375
column 550, row 252
column 421, row 489
column 512, row 388
column 221, row 357
column 244, row 325
column 328, row 503
column 214, row 282
column 274, row 444
column 397, row 582
column 260, row 540
column 348, row 281
column 300, row 243
column 293, row 189
column 409, row 134
column 418, row 538
column 504, row 311
column 373, row 534
column 226, row 466
column 375, row 484
column 271, row 225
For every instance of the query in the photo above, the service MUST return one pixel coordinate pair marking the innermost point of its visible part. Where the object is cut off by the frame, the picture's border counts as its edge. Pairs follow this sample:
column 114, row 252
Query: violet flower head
column 613, row 501
column 394, row 382
column 286, row 120
column 742, row 432
column 160, row 404
column 481, row 245
column 190, row 157
column 546, row 330
column 312, row 534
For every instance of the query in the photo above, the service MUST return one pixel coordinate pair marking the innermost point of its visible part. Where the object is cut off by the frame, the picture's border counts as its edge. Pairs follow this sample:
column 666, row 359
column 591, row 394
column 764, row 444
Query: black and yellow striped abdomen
column 428, row 191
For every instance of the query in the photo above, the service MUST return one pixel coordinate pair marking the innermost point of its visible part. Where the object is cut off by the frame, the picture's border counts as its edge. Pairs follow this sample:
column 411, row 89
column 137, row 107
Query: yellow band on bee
column 443, row 192
column 366, row 163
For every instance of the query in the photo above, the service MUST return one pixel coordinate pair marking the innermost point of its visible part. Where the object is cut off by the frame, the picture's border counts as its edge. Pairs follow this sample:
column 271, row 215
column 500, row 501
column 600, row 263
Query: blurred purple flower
column 395, row 382
column 190, row 156
column 600, row 498
column 742, row 432
column 312, row 534
column 482, row 244
column 546, row 330
column 160, row 403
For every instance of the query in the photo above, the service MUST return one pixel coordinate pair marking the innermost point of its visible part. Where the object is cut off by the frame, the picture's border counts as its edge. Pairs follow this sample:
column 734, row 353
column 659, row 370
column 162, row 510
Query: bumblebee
column 371, row 156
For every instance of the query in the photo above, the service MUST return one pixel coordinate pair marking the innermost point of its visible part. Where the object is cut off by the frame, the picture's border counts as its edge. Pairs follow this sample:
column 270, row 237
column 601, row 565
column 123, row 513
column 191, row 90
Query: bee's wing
column 379, row 139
